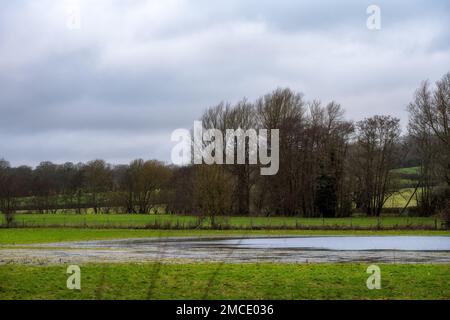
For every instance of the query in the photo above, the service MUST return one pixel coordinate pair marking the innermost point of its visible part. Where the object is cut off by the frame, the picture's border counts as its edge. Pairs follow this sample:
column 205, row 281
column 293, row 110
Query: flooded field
column 386, row 249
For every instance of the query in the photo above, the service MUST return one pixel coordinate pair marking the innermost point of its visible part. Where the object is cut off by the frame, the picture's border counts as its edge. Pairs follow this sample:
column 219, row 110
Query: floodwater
column 311, row 249
column 344, row 243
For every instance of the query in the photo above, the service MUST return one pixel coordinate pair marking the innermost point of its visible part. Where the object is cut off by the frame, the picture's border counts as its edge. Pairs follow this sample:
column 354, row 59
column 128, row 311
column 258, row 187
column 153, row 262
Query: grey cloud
column 133, row 73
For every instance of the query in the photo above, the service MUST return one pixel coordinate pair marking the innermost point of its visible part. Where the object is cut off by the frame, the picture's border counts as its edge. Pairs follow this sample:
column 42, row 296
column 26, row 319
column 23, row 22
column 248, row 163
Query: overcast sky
column 134, row 71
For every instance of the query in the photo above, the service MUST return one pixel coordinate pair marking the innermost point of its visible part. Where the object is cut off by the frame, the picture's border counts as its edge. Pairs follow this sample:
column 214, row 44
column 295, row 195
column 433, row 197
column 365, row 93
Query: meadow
column 225, row 281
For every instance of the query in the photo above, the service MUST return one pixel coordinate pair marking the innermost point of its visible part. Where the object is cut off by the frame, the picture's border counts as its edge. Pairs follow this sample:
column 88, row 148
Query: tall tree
column 98, row 181
column 225, row 117
column 375, row 156
column 7, row 192
column 212, row 192
column 429, row 128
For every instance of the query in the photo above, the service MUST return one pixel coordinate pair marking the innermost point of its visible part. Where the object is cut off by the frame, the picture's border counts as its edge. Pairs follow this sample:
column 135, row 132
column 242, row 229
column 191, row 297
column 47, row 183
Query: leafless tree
column 429, row 127
column 7, row 192
column 375, row 155
column 98, row 180
column 212, row 191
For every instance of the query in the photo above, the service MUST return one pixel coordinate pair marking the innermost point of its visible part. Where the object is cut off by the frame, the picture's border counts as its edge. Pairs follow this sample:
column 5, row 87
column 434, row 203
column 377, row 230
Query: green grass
column 225, row 281
column 182, row 221
column 48, row 235
column 400, row 199
column 410, row 170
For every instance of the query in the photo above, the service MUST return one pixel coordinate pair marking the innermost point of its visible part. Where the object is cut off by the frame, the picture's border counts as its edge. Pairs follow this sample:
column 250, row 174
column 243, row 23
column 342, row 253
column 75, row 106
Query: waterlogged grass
column 186, row 222
column 226, row 281
column 49, row 235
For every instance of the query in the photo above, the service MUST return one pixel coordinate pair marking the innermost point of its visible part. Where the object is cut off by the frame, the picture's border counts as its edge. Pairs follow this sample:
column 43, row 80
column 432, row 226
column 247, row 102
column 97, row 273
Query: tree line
column 328, row 166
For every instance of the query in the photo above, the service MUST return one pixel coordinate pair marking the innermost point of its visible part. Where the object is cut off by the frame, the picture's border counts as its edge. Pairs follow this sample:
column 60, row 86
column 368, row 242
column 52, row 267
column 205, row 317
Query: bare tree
column 98, row 180
column 8, row 191
column 239, row 118
column 283, row 109
column 429, row 127
column 6, row 196
column 180, row 193
column 375, row 155
column 45, row 187
column 140, row 185
column 212, row 191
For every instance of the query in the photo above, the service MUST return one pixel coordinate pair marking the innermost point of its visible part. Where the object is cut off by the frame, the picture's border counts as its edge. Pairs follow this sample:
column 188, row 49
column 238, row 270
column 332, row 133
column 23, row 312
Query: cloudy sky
column 116, row 83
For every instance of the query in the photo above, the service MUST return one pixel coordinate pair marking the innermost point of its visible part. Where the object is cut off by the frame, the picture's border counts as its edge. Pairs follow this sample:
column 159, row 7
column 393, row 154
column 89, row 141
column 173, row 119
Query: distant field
column 410, row 170
column 225, row 281
column 400, row 199
column 183, row 222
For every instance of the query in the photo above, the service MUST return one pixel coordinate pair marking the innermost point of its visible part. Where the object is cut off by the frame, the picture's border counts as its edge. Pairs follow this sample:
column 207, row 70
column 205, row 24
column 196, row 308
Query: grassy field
column 400, row 199
column 406, row 178
column 409, row 170
column 47, row 235
column 188, row 222
column 225, row 281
